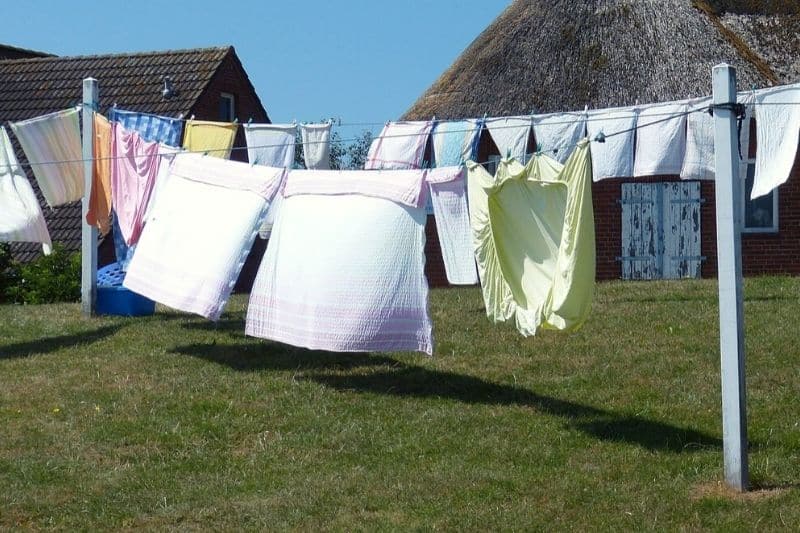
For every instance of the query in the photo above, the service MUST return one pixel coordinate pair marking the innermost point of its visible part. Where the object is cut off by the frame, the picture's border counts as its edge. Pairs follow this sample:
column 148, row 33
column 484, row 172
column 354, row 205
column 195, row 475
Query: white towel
column 356, row 285
column 316, row 145
column 54, row 137
column 558, row 134
column 699, row 164
column 21, row 218
column 271, row 145
column 200, row 232
column 614, row 157
column 449, row 199
column 510, row 134
column 660, row 139
column 401, row 145
column 777, row 132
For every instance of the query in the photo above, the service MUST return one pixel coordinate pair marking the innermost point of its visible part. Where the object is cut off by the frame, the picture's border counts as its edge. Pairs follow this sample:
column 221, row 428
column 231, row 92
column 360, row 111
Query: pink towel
column 134, row 168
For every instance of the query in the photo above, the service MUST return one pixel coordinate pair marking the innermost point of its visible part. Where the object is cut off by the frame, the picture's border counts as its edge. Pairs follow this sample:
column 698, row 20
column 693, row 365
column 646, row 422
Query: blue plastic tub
column 114, row 299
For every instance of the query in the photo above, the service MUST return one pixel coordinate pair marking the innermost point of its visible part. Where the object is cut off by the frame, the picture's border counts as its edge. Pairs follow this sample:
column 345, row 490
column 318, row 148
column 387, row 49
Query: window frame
column 775, row 228
column 231, row 98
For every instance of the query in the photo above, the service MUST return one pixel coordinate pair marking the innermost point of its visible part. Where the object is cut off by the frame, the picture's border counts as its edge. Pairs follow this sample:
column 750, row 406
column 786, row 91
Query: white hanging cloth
column 557, row 134
column 271, row 145
column 354, row 285
column 660, row 139
column 698, row 163
column 401, row 145
column 510, row 134
column 777, row 133
column 200, row 232
column 50, row 138
column 21, row 218
column 449, row 198
column 612, row 158
column 316, row 145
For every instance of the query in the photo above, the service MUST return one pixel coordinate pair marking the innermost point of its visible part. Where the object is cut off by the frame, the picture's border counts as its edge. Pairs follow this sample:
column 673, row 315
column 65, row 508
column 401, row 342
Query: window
column 226, row 107
column 760, row 215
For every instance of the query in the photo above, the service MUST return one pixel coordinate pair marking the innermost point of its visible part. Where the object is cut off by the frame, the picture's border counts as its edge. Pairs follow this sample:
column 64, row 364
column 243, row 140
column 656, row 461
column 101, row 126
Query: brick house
column 556, row 56
column 209, row 83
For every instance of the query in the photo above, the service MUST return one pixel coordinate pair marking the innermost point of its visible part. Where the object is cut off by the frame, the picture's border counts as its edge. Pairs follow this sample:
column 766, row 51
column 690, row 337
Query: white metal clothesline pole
column 88, row 233
column 731, row 307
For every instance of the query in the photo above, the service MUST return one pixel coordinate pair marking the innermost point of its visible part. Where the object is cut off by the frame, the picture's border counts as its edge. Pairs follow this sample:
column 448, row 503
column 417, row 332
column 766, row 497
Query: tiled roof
column 13, row 52
column 33, row 87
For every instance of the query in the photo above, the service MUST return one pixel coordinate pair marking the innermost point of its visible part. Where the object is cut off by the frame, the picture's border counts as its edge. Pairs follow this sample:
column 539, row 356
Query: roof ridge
column 747, row 53
column 122, row 54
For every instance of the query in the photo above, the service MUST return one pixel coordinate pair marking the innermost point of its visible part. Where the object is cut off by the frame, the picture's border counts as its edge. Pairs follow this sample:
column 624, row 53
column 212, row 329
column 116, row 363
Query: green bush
column 49, row 279
column 7, row 270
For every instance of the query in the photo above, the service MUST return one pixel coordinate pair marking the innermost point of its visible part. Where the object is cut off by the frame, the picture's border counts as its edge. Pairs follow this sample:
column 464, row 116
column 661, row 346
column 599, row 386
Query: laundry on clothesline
column 510, row 135
column 612, row 158
column 357, row 285
column 400, row 145
column 698, row 162
column 224, row 201
column 533, row 230
column 558, row 133
column 453, row 144
column 214, row 138
column 52, row 144
column 153, row 128
column 660, row 139
column 134, row 168
column 777, row 133
column 272, row 145
column 21, row 218
column 316, row 145
column 99, row 212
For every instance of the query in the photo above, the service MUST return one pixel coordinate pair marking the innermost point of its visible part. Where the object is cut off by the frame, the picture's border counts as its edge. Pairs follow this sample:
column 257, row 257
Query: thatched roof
column 559, row 55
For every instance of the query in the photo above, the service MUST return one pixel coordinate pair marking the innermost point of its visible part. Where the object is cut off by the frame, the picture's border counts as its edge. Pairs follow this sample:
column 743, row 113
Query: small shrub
column 49, row 279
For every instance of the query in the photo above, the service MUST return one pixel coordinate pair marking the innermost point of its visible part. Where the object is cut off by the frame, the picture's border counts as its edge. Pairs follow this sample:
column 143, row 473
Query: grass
column 174, row 422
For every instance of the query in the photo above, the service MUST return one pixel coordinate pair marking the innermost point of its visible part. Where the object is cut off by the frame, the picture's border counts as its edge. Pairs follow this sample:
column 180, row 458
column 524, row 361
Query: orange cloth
column 99, row 213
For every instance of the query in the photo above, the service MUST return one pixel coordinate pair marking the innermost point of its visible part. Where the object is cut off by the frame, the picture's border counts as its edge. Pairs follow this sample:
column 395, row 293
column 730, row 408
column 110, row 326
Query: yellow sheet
column 533, row 231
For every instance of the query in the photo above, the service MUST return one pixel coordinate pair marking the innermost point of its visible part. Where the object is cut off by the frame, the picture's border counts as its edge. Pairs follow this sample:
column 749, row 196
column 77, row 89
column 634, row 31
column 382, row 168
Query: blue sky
column 361, row 60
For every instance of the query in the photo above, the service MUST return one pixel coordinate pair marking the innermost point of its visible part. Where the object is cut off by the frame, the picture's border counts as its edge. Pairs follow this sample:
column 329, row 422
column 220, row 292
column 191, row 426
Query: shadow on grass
column 271, row 356
column 402, row 380
column 599, row 423
column 52, row 344
column 229, row 325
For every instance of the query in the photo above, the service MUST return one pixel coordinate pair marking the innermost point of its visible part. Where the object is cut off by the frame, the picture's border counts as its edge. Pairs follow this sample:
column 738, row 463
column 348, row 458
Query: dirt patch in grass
column 719, row 490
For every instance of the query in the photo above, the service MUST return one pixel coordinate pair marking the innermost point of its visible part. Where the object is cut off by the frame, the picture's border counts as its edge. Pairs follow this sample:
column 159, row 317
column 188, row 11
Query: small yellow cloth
column 99, row 212
column 216, row 138
column 533, row 232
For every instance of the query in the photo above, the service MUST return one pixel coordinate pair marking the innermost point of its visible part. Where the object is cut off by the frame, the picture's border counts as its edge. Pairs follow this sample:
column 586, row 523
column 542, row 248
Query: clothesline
column 668, row 117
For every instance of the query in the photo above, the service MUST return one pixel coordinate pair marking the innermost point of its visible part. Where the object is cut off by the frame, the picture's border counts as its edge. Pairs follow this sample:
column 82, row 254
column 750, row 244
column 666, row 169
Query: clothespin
column 235, row 120
column 180, row 116
column 192, row 117
column 600, row 137
column 508, row 153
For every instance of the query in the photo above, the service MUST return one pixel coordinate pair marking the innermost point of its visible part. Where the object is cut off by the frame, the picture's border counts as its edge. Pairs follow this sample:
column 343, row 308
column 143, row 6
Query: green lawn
column 174, row 422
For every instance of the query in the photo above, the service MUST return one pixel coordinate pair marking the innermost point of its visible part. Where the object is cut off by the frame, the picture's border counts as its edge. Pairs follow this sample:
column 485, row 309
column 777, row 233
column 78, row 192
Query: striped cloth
column 456, row 142
column 153, row 128
column 351, row 286
column 21, row 218
column 449, row 198
column 49, row 138
column 200, row 232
